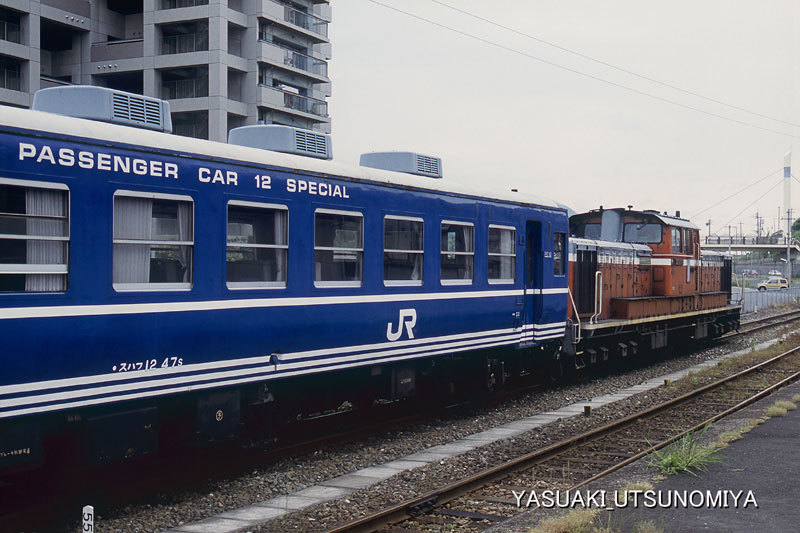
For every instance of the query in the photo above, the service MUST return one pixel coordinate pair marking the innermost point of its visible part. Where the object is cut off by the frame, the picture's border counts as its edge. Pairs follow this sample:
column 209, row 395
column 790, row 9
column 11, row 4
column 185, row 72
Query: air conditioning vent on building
column 283, row 139
column 408, row 162
column 105, row 105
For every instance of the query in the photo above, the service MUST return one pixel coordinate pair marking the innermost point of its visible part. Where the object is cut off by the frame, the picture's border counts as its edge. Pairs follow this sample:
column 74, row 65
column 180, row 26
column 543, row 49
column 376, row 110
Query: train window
column 642, row 233
column 338, row 248
column 403, row 250
column 457, row 252
column 34, row 236
column 588, row 230
column 676, row 241
column 558, row 253
column 687, row 241
column 257, row 245
column 502, row 254
column 153, row 241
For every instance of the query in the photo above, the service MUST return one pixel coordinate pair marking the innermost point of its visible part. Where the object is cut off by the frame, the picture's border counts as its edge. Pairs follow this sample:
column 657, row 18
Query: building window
column 258, row 245
column 676, row 241
column 502, row 254
column 457, row 252
column 403, row 250
column 34, row 236
column 338, row 248
column 153, row 241
column 559, row 247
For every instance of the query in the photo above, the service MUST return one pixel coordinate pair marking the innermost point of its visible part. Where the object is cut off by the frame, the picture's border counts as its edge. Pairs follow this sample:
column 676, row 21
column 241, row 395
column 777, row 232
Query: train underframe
column 591, row 344
column 261, row 412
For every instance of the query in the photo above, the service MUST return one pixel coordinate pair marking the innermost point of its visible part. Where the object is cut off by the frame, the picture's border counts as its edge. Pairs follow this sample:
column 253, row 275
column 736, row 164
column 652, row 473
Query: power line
column 750, row 205
column 578, row 72
column 736, row 193
column 604, row 63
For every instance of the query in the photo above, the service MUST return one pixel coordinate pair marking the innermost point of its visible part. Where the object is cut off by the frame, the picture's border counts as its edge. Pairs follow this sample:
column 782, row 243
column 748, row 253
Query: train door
column 532, row 308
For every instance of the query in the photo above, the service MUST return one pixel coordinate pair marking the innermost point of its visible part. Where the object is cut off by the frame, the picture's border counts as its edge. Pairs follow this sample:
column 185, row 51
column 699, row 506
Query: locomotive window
column 338, row 248
column 502, row 254
column 457, row 253
column 257, row 245
column 676, row 241
column 403, row 250
column 558, row 253
column 588, row 231
column 34, row 236
column 153, row 241
column 687, row 241
column 642, row 233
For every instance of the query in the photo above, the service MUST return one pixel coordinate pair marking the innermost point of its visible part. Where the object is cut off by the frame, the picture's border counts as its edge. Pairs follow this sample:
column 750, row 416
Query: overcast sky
column 497, row 116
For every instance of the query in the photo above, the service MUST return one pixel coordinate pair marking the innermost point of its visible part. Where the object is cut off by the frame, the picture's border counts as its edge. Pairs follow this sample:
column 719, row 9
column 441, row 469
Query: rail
column 693, row 419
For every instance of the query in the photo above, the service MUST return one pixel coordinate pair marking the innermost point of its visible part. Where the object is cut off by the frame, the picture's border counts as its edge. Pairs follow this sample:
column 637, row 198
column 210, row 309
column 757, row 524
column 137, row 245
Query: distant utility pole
column 787, row 200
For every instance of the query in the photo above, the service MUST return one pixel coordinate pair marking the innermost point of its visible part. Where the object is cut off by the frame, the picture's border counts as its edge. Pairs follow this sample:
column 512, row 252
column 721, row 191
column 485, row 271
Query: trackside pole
column 787, row 201
column 88, row 519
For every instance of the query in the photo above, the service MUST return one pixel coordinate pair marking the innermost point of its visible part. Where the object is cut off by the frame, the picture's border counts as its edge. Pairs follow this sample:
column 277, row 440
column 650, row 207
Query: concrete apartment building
column 220, row 63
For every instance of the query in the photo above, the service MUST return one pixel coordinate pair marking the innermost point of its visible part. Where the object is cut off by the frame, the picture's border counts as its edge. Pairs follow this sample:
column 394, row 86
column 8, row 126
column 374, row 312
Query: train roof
column 38, row 121
column 664, row 219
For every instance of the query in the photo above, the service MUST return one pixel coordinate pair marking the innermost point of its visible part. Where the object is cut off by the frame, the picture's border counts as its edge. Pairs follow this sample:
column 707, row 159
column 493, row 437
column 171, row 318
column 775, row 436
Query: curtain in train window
column 403, row 251
column 457, row 252
column 559, row 246
column 153, row 242
column 34, row 239
column 258, row 246
column 502, row 254
column 338, row 248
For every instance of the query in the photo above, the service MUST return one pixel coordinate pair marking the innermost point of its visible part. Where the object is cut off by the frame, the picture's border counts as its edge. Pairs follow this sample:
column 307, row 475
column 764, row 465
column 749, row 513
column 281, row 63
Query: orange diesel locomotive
column 638, row 279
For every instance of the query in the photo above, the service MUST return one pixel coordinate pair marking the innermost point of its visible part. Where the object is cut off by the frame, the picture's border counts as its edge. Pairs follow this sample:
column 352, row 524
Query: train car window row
column 153, row 244
column 338, row 248
column 34, row 236
column 502, row 254
column 403, row 250
column 257, row 250
column 153, row 241
column 457, row 252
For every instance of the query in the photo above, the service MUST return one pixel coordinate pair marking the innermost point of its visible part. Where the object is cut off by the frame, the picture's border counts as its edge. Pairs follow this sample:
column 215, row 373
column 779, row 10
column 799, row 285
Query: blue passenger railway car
column 152, row 284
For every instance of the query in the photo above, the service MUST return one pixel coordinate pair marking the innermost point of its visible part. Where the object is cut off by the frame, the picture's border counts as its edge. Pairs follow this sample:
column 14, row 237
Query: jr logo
column 407, row 316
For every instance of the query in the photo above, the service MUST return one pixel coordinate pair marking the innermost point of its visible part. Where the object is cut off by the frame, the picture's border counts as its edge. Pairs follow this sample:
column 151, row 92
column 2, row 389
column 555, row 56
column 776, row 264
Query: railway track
column 764, row 323
column 474, row 503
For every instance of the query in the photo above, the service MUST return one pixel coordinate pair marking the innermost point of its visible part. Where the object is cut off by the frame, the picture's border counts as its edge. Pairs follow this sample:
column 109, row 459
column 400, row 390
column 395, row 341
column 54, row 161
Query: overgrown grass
column 574, row 521
column 789, row 406
column 774, row 410
column 685, row 455
column 585, row 521
column 725, row 438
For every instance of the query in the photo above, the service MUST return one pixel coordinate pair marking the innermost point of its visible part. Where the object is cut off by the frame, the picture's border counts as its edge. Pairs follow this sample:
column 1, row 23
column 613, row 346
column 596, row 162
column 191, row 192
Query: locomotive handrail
column 598, row 297
column 577, row 316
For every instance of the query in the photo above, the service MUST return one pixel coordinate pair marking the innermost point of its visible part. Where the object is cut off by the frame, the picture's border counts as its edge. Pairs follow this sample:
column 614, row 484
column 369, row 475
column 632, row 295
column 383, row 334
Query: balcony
column 277, row 98
column 191, row 88
column 175, row 4
column 79, row 7
column 298, row 18
column 305, row 62
column 115, row 50
column 10, row 79
column 182, row 44
column 10, row 32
